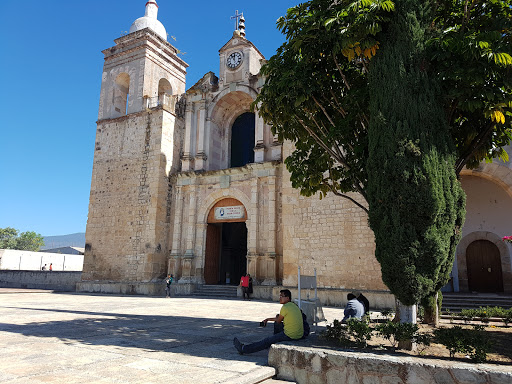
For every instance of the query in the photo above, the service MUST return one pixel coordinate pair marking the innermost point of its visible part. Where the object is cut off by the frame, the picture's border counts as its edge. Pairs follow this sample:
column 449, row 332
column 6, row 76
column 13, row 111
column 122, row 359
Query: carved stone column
column 200, row 252
column 200, row 161
column 186, row 268
column 259, row 148
column 276, row 148
column 187, row 158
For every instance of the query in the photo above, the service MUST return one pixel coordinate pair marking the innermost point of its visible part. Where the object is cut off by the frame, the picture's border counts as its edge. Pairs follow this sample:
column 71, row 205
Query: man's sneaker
column 238, row 345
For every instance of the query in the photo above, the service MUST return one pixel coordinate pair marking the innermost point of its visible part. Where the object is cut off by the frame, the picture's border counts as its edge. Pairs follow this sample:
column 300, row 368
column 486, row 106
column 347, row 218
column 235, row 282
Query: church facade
column 192, row 182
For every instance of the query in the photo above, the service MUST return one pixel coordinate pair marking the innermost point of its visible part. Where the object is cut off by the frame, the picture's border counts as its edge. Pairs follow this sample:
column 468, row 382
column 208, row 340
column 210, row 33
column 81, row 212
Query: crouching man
column 288, row 325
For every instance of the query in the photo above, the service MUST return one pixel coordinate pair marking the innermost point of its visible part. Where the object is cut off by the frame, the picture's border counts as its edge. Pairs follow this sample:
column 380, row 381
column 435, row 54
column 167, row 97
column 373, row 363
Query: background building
column 193, row 183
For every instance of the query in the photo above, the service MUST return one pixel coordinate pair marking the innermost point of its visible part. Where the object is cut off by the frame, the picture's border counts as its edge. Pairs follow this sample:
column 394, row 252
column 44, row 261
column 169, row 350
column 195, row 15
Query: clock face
column 234, row 60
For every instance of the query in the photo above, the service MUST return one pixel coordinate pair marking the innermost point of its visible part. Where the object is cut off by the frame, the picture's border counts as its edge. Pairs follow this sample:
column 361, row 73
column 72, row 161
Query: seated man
column 290, row 316
column 366, row 304
column 353, row 309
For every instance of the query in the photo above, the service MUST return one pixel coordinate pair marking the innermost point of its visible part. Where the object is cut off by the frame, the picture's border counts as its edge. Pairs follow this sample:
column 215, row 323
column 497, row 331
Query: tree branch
column 334, row 191
column 323, row 110
column 338, row 105
column 475, row 144
column 341, row 72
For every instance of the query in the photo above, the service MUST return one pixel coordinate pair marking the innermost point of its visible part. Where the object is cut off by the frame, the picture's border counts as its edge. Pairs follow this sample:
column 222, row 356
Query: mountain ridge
column 70, row 240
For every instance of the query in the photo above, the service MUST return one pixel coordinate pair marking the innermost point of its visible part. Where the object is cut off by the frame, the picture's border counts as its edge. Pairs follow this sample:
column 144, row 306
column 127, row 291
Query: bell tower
column 138, row 137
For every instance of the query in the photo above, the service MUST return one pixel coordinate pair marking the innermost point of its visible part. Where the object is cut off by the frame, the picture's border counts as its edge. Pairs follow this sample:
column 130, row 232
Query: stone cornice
column 144, row 39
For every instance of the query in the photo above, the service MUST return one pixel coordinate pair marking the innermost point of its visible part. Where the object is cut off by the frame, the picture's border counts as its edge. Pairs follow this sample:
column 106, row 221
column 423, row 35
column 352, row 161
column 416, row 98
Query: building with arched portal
column 193, row 183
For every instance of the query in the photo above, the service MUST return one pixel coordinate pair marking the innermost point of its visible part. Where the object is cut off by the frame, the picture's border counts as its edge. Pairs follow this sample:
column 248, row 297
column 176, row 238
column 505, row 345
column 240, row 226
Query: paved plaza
column 69, row 338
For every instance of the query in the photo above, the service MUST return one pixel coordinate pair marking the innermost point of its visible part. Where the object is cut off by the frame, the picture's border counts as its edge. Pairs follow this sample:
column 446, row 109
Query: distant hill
column 72, row 240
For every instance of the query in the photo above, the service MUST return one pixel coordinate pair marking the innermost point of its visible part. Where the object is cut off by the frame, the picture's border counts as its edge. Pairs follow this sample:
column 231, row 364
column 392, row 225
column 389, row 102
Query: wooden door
column 212, row 254
column 484, row 267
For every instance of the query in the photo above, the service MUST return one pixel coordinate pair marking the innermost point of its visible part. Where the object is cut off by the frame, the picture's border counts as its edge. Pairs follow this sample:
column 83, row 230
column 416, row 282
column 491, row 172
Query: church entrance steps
column 216, row 291
column 454, row 302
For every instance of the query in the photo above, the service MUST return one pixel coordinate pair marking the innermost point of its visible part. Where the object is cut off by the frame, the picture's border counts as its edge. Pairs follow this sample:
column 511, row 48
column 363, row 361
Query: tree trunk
column 408, row 314
column 431, row 308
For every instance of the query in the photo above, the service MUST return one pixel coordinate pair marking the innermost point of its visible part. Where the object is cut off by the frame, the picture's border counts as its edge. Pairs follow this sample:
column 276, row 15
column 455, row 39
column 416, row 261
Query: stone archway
column 226, row 243
column 462, row 264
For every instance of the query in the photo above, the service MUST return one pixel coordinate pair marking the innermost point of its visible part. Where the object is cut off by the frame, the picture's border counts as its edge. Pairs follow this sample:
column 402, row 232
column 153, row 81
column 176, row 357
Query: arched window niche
column 242, row 140
column 164, row 92
column 121, row 95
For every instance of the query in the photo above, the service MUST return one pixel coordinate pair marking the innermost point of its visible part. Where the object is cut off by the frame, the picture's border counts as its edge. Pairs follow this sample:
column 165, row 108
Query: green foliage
column 388, row 312
column 468, row 315
column 359, row 331
column 336, row 332
column 507, row 318
column 26, row 241
column 391, row 100
column 470, row 50
column 8, row 238
column 485, row 313
column 396, row 332
column 416, row 204
column 353, row 332
column 472, row 342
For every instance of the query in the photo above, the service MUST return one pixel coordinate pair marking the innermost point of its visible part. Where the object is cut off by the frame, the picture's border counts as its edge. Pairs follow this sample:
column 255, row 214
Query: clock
column 234, row 60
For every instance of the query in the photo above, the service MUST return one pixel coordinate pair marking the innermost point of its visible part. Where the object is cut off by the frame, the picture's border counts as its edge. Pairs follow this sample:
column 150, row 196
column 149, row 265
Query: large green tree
column 10, row 238
column 416, row 204
column 376, row 93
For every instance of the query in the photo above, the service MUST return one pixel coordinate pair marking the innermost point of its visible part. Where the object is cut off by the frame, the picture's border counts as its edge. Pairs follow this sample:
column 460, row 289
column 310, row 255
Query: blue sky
column 50, row 73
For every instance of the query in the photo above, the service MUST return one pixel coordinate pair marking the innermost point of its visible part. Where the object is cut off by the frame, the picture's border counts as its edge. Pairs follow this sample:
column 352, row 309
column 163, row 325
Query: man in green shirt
column 288, row 325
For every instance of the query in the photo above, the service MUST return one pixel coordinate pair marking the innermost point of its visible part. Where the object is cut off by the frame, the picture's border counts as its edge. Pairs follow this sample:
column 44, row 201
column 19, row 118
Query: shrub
column 354, row 331
column 468, row 315
column 396, row 332
column 507, row 317
column 472, row 342
column 336, row 332
column 360, row 331
column 388, row 312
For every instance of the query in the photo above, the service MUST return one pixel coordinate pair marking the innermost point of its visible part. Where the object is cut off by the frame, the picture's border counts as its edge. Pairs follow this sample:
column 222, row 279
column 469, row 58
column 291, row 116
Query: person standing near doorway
column 244, row 283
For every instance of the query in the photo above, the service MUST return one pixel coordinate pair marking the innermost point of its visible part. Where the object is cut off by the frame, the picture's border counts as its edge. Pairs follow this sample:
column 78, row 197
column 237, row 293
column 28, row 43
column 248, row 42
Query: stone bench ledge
column 307, row 365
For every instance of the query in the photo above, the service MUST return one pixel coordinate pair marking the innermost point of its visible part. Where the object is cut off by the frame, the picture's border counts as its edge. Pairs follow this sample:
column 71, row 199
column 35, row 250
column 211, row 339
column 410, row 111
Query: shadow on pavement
column 202, row 337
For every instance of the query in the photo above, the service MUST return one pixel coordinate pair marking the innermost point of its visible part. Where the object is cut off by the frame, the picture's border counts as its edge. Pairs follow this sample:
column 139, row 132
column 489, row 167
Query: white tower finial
column 149, row 20
column 151, row 9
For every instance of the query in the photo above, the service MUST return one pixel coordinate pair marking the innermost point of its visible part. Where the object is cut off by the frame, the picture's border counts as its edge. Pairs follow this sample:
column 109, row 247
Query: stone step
column 216, row 291
column 457, row 301
column 276, row 381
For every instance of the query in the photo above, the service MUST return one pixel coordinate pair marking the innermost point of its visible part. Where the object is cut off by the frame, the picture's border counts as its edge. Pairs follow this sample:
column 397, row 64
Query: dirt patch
column 499, row 335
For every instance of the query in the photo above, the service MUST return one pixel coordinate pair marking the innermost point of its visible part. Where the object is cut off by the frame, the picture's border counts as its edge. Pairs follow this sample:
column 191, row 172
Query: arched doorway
column 226, row 243
column 242, row 140
column 484, row 267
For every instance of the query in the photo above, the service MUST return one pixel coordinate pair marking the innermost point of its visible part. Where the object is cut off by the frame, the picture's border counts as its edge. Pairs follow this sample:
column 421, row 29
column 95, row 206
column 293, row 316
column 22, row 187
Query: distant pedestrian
column 51, row 267
column 168, row 283
column 43, row 268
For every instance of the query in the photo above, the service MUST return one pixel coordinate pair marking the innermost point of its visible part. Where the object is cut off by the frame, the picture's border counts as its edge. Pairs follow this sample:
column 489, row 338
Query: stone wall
column 57, row 281
column 305, row 365
column 128, row 222
column 331, row 235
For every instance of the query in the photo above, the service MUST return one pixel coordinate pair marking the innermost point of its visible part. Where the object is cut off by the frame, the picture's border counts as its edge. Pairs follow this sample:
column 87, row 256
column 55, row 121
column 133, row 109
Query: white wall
column 488, row 207
column 33, row 261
